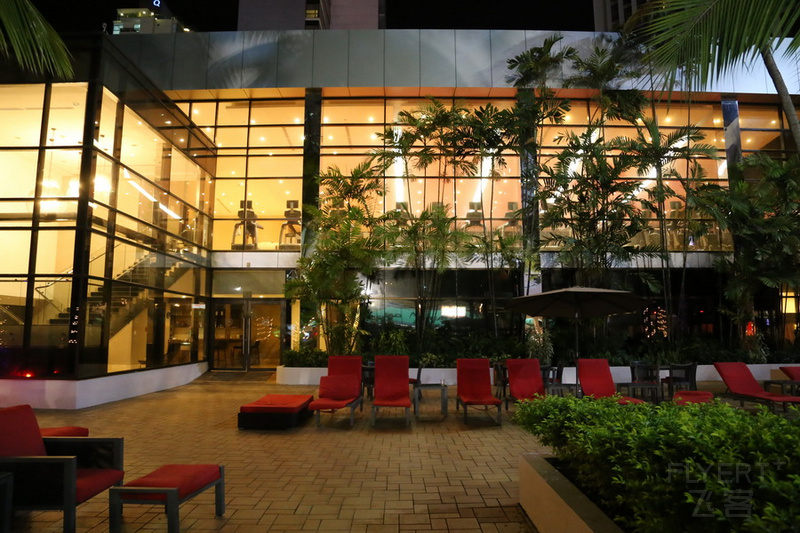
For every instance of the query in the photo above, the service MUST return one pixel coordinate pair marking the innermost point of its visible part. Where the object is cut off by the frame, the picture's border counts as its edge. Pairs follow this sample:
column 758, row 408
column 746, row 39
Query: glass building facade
column 148, row 228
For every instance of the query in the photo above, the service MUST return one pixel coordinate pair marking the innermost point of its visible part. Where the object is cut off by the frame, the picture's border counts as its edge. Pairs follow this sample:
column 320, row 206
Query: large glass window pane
column 135, row 230
column 97, row 257
column 237, row 282
column 55, row 252
column 58, row 213
column 229, row 195
column 136, row 197
column 269, row 197
column 274, row 165
column 50, row 327
column 204, row 113
column 102, row 179
column 108, row 122
column 233, row 113
column 186, row 178
column 61, row 174
column 277, row 112
column 231, row 137
column 131, row 328
column 350, row 136
column 276, row 136
column 126, row 256
column 759, row 117
column 142, row 146
column 231, row 167
column 16, row 213
column 20, row 242
column 352, row 111
column 67, row 113
column 22, row 166
column 21, row 115
column 12, row 314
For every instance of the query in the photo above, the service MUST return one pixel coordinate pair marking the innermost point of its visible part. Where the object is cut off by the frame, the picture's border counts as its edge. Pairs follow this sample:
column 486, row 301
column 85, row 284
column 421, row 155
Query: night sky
column 221, row 15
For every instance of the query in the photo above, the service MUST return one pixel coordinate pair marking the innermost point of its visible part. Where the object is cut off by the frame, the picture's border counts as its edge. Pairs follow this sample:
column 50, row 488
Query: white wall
column 63, row 394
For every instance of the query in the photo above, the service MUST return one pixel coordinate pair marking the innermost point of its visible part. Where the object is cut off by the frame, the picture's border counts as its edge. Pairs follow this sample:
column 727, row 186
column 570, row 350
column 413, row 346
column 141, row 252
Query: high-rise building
column 142, row 20
column 309, row 14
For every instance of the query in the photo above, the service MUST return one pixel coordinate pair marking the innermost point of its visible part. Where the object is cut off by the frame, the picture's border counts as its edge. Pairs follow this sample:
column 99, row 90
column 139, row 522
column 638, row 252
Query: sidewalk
column 437, row 475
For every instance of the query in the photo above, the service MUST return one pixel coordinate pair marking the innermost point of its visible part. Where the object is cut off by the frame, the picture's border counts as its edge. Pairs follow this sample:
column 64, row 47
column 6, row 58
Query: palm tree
column 764, row 217
column 27, row 37
column 426, row 244
column 704, row 39
column 656, row 154
column 345, row 247
column 536, row 105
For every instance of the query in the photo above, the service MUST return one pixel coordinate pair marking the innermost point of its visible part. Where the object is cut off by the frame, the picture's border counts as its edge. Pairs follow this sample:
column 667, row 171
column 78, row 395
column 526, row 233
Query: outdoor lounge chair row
column 341, row 387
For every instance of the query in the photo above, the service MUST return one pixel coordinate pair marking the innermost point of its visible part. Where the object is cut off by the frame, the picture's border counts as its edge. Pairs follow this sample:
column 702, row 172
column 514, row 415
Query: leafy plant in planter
column 305, row 357
column 708, row 467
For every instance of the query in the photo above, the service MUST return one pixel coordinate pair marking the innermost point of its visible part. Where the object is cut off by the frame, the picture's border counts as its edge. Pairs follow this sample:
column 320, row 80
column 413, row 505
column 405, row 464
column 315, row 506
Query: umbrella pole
column 577, row 340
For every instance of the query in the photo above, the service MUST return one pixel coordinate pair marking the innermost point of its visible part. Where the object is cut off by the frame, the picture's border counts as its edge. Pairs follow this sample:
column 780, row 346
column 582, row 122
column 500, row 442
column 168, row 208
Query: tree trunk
column 783, row 92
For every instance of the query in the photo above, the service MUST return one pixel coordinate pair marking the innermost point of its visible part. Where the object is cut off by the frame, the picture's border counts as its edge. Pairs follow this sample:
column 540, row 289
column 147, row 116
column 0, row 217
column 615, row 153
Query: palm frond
column 27, row 37
column 707, row 38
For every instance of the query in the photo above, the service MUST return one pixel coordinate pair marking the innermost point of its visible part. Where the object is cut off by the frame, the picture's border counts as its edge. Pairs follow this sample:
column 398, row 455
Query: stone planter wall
column 555, row 505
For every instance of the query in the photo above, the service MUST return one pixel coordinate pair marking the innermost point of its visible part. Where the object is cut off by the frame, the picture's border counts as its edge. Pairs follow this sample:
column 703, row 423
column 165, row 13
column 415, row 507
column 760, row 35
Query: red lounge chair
column 792, row 372
column 596, row 381
column 55, row 472
column 391, row 384
column 524, row 380
column 474, row 387
column 742, row 385
column 341, row 387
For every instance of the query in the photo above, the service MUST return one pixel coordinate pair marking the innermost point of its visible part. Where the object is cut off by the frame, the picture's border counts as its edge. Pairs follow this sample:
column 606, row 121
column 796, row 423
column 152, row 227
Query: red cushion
column 278, row 403
column 524, row 378
column 480, row 400
column 624, row 400
column 472, row 378
column 65, row 431
column 595, row 378
column 20, row 434
column 692, row 396
column 391, row 381
column 793, row 372
column 340, row 387
column 326, row 404
column 92, row 481
column 186, row 478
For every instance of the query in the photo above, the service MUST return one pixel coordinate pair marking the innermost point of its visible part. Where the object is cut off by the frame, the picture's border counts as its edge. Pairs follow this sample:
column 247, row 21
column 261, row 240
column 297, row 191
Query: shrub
column 305, row 357
column 707, row 467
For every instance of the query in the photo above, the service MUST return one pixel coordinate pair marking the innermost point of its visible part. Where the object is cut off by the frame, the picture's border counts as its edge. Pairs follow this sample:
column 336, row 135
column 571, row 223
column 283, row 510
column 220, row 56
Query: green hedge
column 305, row 357
column 656, row 468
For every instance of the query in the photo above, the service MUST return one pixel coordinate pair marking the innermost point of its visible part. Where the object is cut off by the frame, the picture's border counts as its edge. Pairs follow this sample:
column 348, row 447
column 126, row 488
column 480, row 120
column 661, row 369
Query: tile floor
column 436, row 475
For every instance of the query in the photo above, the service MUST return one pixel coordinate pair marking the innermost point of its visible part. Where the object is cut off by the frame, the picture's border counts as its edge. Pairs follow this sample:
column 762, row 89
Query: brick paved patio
column 437, row 475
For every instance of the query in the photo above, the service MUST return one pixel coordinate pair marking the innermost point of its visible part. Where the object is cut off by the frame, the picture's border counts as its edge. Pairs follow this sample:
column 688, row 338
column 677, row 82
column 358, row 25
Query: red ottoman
column 170, row 486
column 275, row 411
column 692, row 396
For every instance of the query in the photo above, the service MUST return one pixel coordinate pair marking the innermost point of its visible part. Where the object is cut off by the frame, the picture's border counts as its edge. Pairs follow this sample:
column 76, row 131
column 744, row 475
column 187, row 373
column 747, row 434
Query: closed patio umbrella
column 578, row 303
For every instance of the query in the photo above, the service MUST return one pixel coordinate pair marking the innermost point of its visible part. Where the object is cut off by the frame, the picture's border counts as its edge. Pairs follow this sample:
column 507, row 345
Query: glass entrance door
column 247, row 334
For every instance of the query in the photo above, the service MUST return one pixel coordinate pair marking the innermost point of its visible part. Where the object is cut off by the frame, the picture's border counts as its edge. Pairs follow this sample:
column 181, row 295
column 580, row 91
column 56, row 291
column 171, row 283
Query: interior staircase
column 128, row 299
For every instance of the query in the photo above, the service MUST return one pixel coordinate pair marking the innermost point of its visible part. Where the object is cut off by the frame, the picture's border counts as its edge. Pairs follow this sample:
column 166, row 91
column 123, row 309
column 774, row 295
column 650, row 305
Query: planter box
column 286, row 375
column 555, row 505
